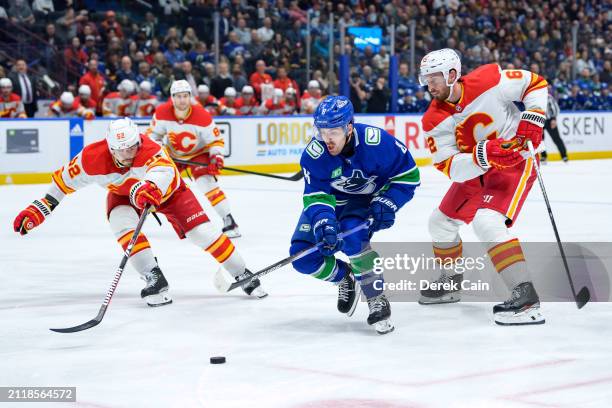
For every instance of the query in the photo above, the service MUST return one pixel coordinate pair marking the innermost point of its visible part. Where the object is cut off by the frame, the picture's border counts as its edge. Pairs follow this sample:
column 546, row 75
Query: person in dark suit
column 24, row 85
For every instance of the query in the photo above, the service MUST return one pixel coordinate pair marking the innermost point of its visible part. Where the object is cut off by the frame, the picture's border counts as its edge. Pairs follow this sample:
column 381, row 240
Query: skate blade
column 258, row 293
column 354, row 305
column 448, row 298
column 160, row 299
column 233, row 233
column 384, row 326
column 530, row 315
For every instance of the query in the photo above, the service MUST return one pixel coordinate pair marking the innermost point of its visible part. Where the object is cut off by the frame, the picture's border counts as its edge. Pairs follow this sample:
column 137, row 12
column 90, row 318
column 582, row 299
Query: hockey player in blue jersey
column 352, row 172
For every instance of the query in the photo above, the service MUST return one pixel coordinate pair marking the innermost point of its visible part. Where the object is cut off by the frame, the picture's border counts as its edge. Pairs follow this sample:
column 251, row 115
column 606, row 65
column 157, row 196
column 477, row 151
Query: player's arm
column 156, row 129
column 531, row 89
column 396, row 164
column 20, row 112
column 215, row 144
column 107, row 108
column 66, row 180
column 160, row 181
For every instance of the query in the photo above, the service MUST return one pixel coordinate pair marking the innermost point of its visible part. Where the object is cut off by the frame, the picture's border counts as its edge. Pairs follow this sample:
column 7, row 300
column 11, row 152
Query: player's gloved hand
column 531, row 127
column 497, row 153
column 382, row 211
column 34, row 215
column 215, row 164
column 145, row 193
column 326, row 232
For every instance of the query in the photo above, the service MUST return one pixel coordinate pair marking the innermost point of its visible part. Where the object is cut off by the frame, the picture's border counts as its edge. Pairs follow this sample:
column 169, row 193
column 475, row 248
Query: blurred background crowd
column 115, row 58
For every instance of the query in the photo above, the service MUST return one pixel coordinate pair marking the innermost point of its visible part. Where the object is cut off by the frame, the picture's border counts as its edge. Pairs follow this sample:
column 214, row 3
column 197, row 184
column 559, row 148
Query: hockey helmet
column 443, row 61
column 122, row 134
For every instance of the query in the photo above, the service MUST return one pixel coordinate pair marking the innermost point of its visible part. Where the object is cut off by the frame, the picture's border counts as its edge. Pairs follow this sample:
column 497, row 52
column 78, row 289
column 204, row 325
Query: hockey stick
column 296, row 177
column 109, row 294
column 224, row 286
column 583, row 295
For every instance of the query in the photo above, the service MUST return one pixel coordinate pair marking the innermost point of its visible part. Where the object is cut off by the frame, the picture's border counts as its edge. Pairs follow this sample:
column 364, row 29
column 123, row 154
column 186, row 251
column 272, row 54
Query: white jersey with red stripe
column 189, row 137
column 144, row 106
column 95, row 165
column 12, row 107
column 486, row 110
column 114, row 105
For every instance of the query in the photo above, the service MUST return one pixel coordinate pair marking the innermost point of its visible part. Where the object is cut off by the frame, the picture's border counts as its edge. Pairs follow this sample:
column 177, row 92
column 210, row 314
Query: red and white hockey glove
column 531, row 127
column 145, row 193
column 497, row 153
column 34, row 215
column 215, row 164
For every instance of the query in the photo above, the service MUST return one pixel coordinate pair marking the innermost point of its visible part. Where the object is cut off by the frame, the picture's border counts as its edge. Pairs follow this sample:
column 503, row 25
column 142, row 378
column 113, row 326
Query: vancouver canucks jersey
column 380, row 165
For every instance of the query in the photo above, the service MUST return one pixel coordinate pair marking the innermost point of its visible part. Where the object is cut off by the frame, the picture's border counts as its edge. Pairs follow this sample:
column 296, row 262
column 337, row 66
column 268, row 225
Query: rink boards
column 30, row 149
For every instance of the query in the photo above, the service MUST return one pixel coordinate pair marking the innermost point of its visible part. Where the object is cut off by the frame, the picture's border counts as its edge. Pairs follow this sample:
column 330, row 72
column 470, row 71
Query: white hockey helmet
column 126, row 85
column 146, row 86
column 84, row 90
column 248, row 89
column 6, row 83
column 443, row 61
column 67, row 98
column 314, row 84
column 278, row 92
column 122, row 134
column 290, row 91
column 203, row 89
column 180, row 86
column 230, row 91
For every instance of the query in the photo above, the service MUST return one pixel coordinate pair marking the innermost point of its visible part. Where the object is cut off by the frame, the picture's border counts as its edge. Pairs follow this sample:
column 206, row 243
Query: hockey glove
column 326, row 232
column 34, row 215
column 531, row 127
column 143, row 193
column 215, row 164
column 497, row 153
column 382, row 211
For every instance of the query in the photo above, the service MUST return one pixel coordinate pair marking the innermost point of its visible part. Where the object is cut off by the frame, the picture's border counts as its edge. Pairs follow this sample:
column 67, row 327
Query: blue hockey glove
column 382, row 211
column 326, row 232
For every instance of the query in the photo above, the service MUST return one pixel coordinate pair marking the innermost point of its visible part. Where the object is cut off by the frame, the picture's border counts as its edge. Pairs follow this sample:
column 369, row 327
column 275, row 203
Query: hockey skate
column 254, row 287
column 522, row 308
column 230, row 228
column 348, row 294
column 380, row 313
column 155, row 293
column 445, row 289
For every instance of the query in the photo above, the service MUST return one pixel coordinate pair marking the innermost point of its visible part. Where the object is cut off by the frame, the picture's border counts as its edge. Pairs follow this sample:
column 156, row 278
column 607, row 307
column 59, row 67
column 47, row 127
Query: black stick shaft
column 297, row 176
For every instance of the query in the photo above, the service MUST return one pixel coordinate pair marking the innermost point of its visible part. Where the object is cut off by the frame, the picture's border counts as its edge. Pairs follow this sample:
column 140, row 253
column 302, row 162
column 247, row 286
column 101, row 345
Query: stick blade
column 583, row 297
column 80, row 327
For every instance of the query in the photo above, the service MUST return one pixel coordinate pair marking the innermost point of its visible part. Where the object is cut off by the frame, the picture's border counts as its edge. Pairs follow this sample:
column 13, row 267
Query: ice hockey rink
column 292, row 349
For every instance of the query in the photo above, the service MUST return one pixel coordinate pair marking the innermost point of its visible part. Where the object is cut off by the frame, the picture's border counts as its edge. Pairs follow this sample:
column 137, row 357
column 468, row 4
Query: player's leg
column 188, row 219
column 553, row 131
column 456, row 209
column 505, row 192
column 326, row 268
column 357, row 248
column 123, row 219
column 210, row 186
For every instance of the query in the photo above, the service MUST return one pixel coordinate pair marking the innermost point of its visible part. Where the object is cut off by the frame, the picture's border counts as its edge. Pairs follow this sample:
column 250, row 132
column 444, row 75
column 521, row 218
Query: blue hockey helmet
column 333, row 112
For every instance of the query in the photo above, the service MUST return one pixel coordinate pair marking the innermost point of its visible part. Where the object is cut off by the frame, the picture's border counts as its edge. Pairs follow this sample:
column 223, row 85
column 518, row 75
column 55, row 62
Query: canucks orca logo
column 356, row 184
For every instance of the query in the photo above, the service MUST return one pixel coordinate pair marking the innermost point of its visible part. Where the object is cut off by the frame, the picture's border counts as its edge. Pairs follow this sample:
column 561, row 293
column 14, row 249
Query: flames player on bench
column 477, row 136
column 137, row 172
column 189, row 133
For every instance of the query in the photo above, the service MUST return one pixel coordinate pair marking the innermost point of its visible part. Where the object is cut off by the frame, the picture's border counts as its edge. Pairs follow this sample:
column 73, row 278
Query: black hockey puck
column 217, row 360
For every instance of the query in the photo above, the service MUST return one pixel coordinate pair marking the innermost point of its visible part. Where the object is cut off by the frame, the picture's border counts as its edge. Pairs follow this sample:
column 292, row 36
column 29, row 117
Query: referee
column 552, row 110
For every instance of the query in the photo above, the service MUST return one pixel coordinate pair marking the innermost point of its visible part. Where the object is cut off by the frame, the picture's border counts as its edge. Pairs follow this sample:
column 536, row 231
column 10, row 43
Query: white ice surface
column 292, row 349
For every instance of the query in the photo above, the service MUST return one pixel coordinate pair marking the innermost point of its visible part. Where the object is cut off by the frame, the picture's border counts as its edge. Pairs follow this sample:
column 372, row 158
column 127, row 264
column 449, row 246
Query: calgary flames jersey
column 12, row 107
column 114, row 105
column 486, row 110
column 189, row 137
column 144, row 106
column 95, row 165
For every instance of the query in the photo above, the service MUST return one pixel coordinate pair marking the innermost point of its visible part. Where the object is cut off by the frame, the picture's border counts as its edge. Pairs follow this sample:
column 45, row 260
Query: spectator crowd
column 116, row 59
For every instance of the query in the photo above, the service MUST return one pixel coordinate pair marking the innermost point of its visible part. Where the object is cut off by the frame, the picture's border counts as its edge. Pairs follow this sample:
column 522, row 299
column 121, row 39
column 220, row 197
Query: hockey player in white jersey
column 189, row 132
column 477, row 136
